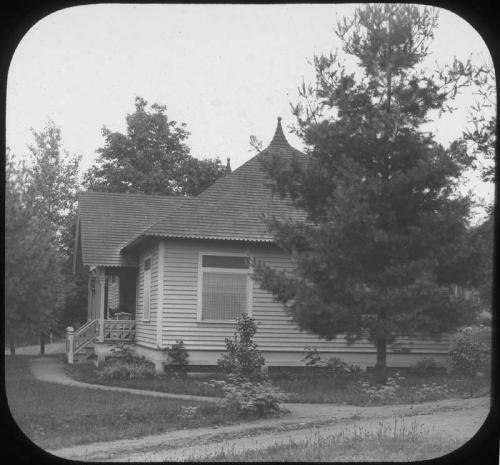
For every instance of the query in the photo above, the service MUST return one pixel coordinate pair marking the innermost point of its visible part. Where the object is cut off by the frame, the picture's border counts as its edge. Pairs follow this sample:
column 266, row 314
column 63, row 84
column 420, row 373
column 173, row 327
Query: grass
column 55, row 416
column 340, row 389
column 400, row 443
column 319, row 388
column 88, row 373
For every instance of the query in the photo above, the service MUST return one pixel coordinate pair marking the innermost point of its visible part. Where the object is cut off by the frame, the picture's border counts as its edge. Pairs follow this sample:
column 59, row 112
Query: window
column 224, row 287
column 146, row 302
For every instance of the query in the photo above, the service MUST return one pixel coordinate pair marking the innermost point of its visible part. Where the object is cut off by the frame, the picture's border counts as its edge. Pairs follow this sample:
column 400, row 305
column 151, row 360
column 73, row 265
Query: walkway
column 305, row 421
column 51, row 370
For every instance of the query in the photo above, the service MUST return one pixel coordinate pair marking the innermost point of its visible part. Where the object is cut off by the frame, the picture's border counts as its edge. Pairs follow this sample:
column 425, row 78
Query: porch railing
column 77, row 340
column 119, row 330
column 114, row 331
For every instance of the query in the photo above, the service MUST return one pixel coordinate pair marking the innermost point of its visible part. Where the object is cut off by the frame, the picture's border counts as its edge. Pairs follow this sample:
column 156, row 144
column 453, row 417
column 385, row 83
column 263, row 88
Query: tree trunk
column 381, row 365
column 42, row 344
column 12, row 346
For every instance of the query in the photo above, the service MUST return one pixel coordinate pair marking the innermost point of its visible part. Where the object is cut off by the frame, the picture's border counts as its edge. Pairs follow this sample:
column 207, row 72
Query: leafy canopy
column 152, row 158
column 385, row 218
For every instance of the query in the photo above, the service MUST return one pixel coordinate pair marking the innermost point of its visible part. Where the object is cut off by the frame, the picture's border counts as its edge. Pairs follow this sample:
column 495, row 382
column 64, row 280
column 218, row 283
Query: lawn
column 381, row 446
column 55, row 416
column 341, row 389
column 317, row 388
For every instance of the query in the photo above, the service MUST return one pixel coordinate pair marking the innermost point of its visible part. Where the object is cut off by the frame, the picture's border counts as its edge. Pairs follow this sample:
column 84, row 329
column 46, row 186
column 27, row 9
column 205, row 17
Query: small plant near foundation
column 178, row 358
column 242, row 358
column 124, row 364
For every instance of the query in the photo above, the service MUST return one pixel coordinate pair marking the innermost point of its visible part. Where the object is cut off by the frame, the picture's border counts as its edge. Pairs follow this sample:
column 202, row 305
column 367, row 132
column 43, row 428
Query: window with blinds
column 224, row 286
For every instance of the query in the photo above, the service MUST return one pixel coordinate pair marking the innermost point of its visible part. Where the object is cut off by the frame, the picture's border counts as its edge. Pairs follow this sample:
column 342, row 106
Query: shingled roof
column 108, row 221
column 233, row 207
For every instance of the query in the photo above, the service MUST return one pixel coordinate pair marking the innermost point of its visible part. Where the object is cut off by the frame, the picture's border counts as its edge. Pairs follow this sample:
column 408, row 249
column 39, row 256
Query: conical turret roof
column 234, row 206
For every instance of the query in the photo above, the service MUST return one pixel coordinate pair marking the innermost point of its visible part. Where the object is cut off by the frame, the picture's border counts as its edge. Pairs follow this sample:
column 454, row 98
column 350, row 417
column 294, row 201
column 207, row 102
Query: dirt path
column 452, row 418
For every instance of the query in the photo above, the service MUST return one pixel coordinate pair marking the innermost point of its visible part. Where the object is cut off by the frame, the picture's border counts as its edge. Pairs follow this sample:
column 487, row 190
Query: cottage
column 162, row 269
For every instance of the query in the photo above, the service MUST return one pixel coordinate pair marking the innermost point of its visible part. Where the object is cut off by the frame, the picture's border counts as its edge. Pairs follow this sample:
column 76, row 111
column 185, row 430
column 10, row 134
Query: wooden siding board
column 276, row 331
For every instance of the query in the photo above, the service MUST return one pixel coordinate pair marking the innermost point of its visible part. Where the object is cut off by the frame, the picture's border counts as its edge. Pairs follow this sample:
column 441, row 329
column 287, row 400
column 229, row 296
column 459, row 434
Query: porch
column 110, row 314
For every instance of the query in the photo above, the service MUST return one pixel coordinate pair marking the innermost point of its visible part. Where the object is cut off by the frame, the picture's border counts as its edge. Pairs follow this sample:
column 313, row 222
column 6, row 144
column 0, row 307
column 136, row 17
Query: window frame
column 201, row 269
column 150, row 258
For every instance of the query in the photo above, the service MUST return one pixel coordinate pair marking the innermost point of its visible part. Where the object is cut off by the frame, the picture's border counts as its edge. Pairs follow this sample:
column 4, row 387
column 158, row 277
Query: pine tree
column 385, row 220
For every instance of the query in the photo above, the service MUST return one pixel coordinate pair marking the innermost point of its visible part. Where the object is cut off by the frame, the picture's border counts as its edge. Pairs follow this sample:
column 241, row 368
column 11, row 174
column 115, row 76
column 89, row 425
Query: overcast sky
column 226, row 70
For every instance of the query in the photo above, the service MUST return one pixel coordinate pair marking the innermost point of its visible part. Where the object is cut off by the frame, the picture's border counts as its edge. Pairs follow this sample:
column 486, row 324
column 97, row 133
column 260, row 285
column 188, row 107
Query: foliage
column 428, row 392
column 188, row 411
column 178, row 356
column 125, row 364
column 50, row 185
column 470, row 350
column 312, row 358
column 339, row 367
column 383, row 392
column 481, row 136
column 152, row 158
column 242, row 357
column 427, row 367
column 127, row 368
column 248, row 397
column 34, row 286
column 53, row 182
column 376, row 256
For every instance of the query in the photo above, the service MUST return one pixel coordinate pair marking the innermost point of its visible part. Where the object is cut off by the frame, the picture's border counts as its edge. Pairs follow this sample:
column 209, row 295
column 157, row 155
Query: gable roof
column 109, row 220
column 233, row 207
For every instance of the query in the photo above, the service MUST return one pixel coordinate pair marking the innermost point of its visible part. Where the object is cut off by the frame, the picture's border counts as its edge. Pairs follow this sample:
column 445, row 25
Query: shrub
column 123, row 364
column 178, row 357
column 242, row 358
column 470, row 351
column 384, row 392
column 431, row 391
column 312, row 358
column 339, row 367
column 427, row 367
column 250, row 397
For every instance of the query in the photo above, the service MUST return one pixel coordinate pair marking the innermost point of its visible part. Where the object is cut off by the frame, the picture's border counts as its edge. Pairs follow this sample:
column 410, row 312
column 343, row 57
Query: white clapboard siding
column 146, row 330
column 276, row 331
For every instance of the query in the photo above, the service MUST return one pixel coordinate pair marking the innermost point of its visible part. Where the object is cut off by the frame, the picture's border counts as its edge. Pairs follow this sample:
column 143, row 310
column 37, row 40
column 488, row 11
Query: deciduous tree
column 152, row 158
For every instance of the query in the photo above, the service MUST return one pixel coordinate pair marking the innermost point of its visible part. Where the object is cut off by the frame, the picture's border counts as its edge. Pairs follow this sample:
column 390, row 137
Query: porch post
column 89, row 298
column 101, row 276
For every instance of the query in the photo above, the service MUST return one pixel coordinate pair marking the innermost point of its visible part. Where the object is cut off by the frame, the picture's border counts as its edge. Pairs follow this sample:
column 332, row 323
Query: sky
column 227, row 71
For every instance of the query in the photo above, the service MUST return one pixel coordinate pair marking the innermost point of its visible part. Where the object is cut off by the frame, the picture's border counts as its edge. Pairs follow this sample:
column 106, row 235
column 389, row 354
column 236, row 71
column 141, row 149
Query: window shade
column 224, row 295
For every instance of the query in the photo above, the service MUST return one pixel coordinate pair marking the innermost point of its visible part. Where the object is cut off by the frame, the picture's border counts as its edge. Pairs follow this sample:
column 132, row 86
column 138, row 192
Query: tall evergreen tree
column 152, row 158
column 385, row 220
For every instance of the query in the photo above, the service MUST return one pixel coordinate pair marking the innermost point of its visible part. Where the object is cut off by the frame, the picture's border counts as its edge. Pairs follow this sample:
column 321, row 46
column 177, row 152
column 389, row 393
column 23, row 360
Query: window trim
column 248, row 271
column 147, row 257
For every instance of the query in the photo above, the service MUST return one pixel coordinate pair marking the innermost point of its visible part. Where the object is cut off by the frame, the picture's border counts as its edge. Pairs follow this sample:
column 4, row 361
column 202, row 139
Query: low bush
column 383, row 392
column 124, row 364
column 249, row 397
column 470, row 351
column 337, row 366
